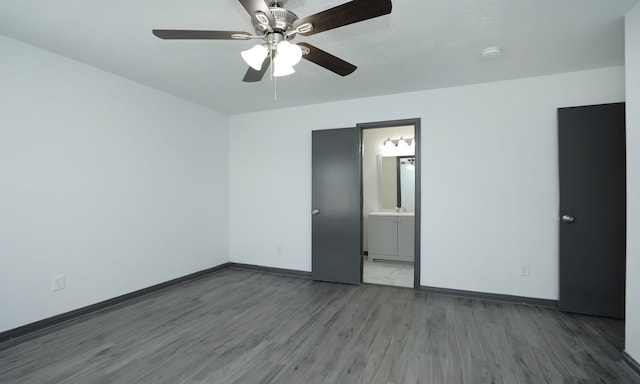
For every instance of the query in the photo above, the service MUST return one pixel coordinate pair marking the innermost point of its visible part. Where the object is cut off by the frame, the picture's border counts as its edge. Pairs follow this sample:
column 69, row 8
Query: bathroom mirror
column 397, row 182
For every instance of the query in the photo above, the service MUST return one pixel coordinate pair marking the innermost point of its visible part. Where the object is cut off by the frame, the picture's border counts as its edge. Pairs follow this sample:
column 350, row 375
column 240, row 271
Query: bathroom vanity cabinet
column 391, row 236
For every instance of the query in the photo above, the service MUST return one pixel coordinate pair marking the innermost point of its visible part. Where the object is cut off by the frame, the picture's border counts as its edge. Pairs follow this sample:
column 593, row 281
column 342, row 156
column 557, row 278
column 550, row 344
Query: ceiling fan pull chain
column 272, row 63
column 273, row 78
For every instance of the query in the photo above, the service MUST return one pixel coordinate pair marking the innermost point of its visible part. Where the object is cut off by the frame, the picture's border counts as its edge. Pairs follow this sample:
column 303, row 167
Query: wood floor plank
column 248, row 327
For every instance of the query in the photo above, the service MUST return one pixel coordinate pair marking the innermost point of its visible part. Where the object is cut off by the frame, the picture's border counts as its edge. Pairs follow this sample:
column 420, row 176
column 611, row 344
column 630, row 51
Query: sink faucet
column 401, row 209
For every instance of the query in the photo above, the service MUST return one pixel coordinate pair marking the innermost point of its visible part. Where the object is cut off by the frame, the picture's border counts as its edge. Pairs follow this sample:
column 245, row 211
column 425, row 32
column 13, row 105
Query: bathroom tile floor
column 387, row 273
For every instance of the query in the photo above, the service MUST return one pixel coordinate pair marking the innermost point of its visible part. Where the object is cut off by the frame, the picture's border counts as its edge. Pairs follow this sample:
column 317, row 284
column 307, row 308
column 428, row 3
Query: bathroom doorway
column 390, row 203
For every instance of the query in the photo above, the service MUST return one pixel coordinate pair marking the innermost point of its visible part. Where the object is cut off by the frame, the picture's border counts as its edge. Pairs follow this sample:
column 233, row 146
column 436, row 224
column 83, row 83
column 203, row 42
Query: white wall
column 633, row 182
column 372, row 140
column 113, row 184
column 489, row 178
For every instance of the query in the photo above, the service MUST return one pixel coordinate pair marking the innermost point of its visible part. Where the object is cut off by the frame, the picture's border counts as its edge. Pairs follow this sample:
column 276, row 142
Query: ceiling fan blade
column 327, row 60
column 345, row 14
column 252, row 75
column 200, row 35
column 253, row 6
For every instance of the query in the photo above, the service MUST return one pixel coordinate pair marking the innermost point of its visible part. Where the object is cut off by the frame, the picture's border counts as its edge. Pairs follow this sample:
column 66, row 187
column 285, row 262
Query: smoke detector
column 490, row 52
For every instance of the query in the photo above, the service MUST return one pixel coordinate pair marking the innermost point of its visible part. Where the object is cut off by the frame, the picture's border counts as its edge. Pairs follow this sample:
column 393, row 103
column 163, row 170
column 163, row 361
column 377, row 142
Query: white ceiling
column 422, row 44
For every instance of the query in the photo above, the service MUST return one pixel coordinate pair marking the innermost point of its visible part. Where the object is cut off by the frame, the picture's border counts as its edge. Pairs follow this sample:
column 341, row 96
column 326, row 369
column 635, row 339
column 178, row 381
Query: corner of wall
column 632, row 68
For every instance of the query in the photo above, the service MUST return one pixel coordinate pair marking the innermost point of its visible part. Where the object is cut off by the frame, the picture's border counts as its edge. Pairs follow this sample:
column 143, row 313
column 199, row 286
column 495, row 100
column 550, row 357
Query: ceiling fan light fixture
column 255, row 56
column 288, row 54
column 280, row 69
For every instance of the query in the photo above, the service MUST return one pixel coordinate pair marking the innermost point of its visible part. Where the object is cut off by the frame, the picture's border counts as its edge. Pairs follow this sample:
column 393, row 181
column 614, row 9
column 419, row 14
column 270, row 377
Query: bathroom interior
column 389, row 205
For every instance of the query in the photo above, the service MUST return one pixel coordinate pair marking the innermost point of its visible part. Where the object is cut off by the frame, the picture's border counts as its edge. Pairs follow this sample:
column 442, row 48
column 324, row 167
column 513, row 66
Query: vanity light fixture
column 390, row 143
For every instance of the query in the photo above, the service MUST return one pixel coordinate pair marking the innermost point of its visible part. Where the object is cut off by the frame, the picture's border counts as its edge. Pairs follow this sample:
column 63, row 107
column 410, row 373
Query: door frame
column 416, row 246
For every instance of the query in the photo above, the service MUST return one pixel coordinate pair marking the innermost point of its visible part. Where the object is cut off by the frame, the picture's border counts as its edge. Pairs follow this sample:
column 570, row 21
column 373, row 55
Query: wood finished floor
column 247, row 327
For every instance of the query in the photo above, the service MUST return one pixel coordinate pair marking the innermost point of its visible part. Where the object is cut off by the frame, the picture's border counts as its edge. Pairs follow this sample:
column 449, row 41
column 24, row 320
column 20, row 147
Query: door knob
column 567, row 218
column 315, row 212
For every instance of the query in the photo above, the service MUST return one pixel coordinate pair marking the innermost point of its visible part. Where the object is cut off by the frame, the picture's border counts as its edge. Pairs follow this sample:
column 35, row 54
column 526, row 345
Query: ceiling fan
column 277, row 26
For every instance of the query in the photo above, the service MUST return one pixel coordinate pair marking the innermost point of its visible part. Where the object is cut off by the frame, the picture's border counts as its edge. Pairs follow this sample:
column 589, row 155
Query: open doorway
column 390, row 182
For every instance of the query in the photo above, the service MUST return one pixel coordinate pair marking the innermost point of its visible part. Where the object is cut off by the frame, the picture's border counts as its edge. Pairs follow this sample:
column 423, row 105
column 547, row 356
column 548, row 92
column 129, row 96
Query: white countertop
column 392, row 213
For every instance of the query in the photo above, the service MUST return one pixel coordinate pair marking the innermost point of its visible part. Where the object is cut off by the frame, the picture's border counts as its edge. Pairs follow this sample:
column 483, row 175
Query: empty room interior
column 365, row 191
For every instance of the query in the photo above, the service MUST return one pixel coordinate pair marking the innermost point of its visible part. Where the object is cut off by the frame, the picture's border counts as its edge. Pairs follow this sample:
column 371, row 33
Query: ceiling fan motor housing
column 284, row 22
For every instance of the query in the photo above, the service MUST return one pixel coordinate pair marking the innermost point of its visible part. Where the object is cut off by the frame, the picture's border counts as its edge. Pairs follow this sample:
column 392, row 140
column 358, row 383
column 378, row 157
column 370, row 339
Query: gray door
column 336, row 206
column 592, row 209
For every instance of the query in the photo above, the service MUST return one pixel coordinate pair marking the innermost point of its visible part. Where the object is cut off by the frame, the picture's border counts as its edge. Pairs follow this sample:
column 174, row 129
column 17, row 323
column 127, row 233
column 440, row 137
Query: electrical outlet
column 57, row 282
column 524, row 270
